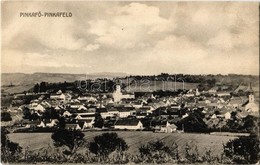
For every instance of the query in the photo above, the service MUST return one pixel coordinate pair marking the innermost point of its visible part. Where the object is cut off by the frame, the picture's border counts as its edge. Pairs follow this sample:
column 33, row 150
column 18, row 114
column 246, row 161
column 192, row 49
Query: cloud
column 92, row 47
column 133, row 37
column 129, row 26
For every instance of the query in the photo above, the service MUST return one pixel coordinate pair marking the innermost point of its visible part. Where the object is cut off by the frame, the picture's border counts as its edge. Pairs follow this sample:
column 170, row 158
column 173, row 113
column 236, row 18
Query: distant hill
column 27, row 79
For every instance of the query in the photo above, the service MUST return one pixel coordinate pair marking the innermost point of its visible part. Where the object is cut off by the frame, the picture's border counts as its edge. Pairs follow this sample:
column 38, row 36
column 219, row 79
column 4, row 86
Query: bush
column 244, row 150
column 10, row 151
column 158, row 152
column 5, row 116
column 70, row 138
column 106, row 143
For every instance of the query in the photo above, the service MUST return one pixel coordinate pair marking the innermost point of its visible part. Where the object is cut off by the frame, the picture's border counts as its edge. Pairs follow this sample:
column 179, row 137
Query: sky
column 132, row 37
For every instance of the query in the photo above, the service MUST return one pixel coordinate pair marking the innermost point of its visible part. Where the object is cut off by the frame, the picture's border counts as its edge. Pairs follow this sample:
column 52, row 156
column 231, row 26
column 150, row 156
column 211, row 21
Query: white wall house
column 130, row 124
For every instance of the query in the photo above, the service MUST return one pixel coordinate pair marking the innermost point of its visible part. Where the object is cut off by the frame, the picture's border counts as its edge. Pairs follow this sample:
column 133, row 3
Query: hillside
column 25, row 79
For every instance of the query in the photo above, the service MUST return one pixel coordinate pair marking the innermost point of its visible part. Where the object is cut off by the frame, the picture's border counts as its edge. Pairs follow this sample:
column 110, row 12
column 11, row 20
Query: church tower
column 251, row 97
column 117, row 95
column 251, row 106
column 118, row 89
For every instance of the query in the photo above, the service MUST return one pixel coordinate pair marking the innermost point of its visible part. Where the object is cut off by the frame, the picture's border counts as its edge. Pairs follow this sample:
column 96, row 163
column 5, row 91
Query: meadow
column 134, row 139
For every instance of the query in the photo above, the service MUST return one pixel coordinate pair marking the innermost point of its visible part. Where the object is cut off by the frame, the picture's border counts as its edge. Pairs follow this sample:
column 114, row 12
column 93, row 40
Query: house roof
column 87, row 115
column 127, row 122
column 173, row 126
column 236, row 100
column 112, row 110
column 85, row 120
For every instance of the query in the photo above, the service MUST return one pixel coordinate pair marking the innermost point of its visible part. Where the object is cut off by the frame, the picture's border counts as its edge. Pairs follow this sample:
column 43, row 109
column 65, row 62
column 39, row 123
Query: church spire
column 251, row 94
column 251, row 91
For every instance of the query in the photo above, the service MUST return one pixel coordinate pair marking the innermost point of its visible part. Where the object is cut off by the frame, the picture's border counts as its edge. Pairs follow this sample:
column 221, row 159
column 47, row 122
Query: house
column 131, row 124
column 241, row 115
column 50, row 122
column 40, row 108
column 24, row 123
column 213, row 90
column 165, row 127
column 224, row 113
column 58, row 96
column 57, row 108
column 123, row 113
column 75, row 106
column 32, row 124
column 85, row 116
column 82, row 107
column 227, row 115
column 214, row 116
column 222, row 94
column 184, row 116
column 87, row 123
column 66, row 114
column 236, row 102
column 141, row 115
column 137, row 105
column 103, row 112
column 147, row 109
column 113, row 112
column 73, row 125
column 42, row 124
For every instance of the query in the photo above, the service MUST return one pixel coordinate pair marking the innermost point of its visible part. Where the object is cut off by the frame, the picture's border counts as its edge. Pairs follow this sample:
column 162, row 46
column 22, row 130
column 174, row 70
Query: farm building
column 131, row 124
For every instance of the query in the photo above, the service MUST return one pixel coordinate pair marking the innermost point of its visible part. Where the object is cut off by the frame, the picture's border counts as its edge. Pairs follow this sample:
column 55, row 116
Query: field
column 134, row 140
column 149, row 86
column 17, row 88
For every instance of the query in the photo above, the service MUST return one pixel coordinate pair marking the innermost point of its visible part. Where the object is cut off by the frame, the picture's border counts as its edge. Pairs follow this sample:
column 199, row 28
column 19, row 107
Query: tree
column 62, row 122
column 26, row 113
column 36, row 88
column 158, row 151
column 99, row 122
column 5, row 116
column 50, row 113
column 250, row 124
column 43, row 87
column 194, row 122
column 73, row 139
column 244, row 150
column 10, row 151
column 106, row 143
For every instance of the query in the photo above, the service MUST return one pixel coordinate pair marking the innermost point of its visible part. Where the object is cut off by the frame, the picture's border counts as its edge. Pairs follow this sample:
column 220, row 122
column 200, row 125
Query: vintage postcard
column 129, row 82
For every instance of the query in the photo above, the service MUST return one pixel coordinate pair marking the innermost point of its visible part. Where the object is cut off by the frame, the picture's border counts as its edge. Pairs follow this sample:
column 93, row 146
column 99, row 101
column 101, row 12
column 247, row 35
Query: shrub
column 158, row 152
column 106, row 143
column 73, row 139
column 10, row 151
column 192, row 154
column 244, row 150
column 5, row 116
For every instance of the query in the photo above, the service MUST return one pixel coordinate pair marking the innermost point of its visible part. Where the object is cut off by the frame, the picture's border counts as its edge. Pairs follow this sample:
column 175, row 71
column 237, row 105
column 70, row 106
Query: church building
column 118, row 95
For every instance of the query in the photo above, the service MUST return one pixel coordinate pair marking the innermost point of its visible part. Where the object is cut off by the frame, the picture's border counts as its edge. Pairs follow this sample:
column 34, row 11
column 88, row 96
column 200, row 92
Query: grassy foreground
column 134, row 139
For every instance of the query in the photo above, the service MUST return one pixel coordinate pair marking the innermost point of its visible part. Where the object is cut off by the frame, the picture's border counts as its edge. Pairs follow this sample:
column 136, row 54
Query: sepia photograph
column 129, row 82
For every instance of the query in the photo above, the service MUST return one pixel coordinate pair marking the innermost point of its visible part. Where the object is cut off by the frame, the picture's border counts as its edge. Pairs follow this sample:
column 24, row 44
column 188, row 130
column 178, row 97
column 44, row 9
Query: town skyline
column 139, row 38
